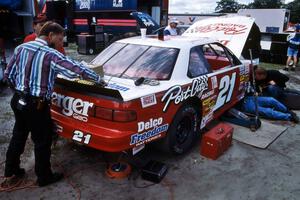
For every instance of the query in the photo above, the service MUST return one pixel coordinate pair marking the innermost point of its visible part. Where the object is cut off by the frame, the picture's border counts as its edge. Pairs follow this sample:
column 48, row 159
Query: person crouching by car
column 172, row 28
column 293, row 48
column 272, row 83
column 31, row 73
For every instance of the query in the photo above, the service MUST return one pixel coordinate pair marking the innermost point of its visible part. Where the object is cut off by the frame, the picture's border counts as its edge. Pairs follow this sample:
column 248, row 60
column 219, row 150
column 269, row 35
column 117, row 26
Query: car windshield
column 135, row 61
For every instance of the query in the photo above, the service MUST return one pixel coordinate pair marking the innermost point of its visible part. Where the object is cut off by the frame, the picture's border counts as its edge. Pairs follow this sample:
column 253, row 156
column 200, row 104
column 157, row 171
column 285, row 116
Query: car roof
column 169, row 41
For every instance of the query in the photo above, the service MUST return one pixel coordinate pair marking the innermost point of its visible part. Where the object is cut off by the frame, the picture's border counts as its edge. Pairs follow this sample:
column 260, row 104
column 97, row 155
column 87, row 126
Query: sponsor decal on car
column 117, row 87
column 137, row 149
column 178, row 95
column 148, row 131
column 207, row 118
column 207, row 94
column 243, row 78
column 147, row 136
column 214, row 82
column 226, row 28
column 242, row 70
column 208, row 104
column 81, row 137
column 247, row 69
column 148, row 100
column 226, row 88
column 149, row 124
column 241, row 86
column 241, row 96
column 75, row 107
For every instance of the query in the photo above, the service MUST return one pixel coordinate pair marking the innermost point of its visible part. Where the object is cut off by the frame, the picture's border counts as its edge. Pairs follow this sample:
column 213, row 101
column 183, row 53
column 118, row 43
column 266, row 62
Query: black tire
column 183, row 132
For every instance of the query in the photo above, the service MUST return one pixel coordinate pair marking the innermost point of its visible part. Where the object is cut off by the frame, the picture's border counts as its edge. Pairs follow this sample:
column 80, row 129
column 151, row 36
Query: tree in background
column 228, row 6
column 265, row 4
column 294, row 7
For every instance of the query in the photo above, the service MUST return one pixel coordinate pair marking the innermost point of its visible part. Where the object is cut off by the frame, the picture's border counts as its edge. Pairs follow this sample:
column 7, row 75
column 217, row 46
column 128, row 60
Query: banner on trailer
column 98, row 5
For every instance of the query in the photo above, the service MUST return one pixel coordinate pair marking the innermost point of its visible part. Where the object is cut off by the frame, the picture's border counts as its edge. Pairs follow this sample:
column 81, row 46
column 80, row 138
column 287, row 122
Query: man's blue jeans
column 267, row 107
column 274, row 91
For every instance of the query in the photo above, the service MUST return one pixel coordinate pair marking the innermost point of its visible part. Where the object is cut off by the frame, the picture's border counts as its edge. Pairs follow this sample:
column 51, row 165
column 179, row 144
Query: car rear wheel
column 183, row 132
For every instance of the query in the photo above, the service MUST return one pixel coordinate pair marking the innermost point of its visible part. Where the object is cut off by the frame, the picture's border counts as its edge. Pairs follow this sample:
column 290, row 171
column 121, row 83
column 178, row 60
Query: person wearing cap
column 31, row 73
column 38, row 23
column 293, row 47
column 172, row 28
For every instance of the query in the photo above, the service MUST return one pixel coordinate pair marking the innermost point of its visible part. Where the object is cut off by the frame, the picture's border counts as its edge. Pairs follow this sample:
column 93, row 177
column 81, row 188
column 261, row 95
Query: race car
column 156, row 90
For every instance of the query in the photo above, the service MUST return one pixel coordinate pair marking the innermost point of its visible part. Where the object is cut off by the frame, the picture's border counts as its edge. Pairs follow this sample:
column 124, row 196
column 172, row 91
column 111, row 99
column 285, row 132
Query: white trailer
column 269, row 20
column 272, row 23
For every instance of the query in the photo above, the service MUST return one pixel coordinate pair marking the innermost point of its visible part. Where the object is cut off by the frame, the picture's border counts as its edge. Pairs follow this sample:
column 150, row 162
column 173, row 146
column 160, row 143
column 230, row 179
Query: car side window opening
column 218, row 57
column 198, row 65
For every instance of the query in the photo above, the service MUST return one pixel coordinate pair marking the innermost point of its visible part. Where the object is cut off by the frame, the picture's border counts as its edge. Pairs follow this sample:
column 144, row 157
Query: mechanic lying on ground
column 267, row 107
column 272, row 83
column 31, row 72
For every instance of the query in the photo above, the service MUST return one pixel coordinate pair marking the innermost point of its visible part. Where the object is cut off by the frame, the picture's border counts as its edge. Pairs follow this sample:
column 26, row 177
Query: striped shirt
column 34, row 66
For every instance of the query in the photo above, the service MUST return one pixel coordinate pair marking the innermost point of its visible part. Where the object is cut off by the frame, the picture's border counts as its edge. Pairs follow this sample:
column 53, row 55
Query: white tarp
column 231, row 31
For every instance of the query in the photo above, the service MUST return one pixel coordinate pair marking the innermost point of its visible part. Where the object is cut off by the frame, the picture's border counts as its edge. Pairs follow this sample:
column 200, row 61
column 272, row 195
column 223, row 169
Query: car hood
column 231, row 31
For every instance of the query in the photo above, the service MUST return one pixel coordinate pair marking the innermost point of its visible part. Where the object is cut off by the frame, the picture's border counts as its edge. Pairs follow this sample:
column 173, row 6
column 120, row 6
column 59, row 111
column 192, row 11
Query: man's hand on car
column 102, row 82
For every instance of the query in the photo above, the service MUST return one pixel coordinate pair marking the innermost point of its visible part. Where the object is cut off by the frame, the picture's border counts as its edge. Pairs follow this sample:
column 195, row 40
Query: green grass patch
column 271, row 65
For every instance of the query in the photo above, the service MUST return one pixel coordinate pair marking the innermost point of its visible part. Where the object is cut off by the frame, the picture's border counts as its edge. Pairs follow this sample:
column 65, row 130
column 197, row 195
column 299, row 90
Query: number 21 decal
column 226, row 87
column 81, row 137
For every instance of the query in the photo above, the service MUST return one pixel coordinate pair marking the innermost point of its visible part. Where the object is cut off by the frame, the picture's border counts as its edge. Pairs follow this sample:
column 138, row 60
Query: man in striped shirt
column 31, row 72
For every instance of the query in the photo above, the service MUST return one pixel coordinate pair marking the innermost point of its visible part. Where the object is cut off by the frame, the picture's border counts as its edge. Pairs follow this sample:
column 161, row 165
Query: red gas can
column 216, row 141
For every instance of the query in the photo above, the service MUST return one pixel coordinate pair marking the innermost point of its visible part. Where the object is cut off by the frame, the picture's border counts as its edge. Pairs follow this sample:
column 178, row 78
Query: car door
column 225, row 76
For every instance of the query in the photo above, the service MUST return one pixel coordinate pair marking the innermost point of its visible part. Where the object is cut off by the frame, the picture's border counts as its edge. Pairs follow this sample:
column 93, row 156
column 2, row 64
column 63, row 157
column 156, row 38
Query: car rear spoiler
column 89, row 89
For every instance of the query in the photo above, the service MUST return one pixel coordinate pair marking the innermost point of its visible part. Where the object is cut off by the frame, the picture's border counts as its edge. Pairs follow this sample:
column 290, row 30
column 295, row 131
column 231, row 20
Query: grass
column 271, row 66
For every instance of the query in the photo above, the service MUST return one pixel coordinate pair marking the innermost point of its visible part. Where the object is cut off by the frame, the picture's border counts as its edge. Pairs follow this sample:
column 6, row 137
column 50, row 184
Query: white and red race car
column 167, row 90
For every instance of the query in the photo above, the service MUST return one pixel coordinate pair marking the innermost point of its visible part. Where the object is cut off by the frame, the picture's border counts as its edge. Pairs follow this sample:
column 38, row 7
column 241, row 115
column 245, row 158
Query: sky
column 198, row 6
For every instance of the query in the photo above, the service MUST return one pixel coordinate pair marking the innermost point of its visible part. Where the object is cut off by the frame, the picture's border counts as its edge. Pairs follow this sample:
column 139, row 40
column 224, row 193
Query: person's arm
column 72, row 69
column 279, row 78
column 167, row 32
column 282, row 77
column 290, row 36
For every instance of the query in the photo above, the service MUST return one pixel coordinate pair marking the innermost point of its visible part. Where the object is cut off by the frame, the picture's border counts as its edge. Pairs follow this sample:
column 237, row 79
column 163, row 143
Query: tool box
column 154, row 171
column 216, row 141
